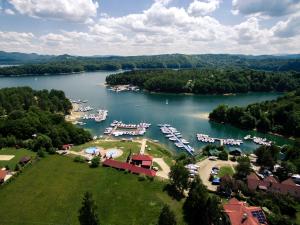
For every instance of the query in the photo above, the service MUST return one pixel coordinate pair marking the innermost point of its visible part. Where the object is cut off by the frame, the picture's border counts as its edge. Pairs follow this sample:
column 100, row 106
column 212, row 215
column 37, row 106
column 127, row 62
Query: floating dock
column 173, row 135
column 118, row 128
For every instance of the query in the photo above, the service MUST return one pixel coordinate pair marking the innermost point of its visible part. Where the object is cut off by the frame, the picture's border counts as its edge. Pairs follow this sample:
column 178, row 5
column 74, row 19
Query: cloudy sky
column 136, row 27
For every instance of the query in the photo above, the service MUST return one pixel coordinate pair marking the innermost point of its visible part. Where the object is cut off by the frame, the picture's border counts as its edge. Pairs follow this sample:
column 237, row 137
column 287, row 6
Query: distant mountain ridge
column 44, row 64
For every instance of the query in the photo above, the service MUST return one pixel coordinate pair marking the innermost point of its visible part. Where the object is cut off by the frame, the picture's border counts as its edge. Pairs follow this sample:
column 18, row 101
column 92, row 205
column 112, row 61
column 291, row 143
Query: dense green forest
column 45, row 64
column 280, row 116
column 208, row 81
column 35, row 119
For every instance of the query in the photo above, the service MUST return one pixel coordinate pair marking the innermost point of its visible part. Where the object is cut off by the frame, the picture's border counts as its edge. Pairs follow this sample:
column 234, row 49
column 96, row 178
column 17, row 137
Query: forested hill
column 35, row 119
column 47, row 64
column 280, row 116
column 208, row 81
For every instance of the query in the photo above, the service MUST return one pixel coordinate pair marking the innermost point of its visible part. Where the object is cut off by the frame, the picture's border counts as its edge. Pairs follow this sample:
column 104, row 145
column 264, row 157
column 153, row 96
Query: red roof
column 240, row 213
column 3, row 174
column 146, row 163
column 130, row 167
column 140, row 157
column 116, row 164
column 148, row 172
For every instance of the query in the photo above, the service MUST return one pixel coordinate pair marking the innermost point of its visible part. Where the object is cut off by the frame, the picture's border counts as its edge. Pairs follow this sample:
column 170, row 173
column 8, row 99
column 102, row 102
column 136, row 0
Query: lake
column 185, row 112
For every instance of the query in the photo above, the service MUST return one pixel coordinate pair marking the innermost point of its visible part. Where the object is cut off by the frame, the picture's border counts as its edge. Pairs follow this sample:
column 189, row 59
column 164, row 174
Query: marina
column 258, row 140
column 173, row 135
column 100, row 116
column 121, row 88
column 223, row 141
column 118, row 128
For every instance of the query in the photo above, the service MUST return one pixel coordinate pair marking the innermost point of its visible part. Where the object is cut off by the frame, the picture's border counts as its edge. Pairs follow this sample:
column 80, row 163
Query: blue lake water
column 185, row 112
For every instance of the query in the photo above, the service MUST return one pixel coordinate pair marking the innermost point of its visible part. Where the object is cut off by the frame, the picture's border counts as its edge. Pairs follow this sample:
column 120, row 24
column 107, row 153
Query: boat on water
column 167, row 102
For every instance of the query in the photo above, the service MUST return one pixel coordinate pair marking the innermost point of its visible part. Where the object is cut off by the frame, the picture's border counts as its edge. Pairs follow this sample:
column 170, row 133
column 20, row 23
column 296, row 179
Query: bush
column 223, row 155
column 17, row 167
column 95, row 162
column 41, row 153
column 79, row 159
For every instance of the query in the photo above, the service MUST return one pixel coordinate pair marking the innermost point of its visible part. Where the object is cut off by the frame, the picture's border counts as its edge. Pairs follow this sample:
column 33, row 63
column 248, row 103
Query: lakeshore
column 188, row 113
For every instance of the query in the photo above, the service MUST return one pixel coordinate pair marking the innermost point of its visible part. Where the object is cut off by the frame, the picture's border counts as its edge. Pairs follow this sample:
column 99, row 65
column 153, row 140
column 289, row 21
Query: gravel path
column 164, row 173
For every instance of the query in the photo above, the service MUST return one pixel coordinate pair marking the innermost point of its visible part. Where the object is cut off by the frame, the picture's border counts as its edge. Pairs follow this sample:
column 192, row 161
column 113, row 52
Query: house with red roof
column 144, row 161
column 271, row 184
column 3, row 174
column 240, row 213
column 129, row 167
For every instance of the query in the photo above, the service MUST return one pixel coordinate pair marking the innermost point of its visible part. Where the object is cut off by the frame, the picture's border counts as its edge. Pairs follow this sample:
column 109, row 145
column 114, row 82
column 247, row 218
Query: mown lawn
column 18, row 153
column 225, row 170
column 159, row 151
column 51, row 190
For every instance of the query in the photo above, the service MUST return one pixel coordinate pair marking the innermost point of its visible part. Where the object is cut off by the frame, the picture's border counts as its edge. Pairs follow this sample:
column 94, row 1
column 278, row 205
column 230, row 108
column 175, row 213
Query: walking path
column 165, row 169
column 142, row 151
column 205, row 167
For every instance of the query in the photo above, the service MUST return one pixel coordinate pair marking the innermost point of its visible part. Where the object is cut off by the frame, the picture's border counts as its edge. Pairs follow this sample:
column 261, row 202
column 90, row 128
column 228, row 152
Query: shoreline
column 74, row 116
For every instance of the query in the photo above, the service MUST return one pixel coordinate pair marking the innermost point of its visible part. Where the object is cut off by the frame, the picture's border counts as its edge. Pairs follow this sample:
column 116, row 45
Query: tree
column 88, row 211
column 95, row 162
column 166, row 217
column 223, row 155
column 200, row 207
column 179, row 177
column 267, row 155
column 243, row 168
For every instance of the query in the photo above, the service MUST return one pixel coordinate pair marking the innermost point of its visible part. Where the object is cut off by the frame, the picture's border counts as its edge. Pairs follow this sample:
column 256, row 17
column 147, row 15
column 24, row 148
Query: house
column 3, row 174
column 144, row 161
column 271, row 184
column 129, row 167
column 240, row 213
column 67, row 146
column 24, row 160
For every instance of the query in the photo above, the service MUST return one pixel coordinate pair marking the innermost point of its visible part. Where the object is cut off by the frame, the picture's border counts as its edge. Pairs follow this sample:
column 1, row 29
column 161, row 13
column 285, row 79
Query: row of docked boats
column 84, row 109
column 258, row 140
column 173, row 135
column 120, row 124
column 118, row 128
column 79, row 101
column 120, row 88
column 229, row 141
column 100, row 116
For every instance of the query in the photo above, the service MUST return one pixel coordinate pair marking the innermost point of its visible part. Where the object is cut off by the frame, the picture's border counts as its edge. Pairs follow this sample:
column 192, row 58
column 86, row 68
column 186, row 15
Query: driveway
column 205, row 167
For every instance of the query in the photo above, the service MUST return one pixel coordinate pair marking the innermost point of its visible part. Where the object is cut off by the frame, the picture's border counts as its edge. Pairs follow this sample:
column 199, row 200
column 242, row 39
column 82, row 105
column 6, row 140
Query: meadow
column 50, row 192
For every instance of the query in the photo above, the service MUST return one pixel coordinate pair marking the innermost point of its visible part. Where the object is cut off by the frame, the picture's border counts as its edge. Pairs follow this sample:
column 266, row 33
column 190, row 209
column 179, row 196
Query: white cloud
column 288, row 28
column 14, row 41
column 199, row 8
column 165, row 29
column 9, row 12
column 72, row 10
column 272, row 8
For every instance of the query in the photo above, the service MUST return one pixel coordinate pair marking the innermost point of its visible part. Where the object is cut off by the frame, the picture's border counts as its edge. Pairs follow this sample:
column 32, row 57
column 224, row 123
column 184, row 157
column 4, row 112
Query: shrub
column 141, row 177
column 95, row 162
column 41, row 153
column 79, row 159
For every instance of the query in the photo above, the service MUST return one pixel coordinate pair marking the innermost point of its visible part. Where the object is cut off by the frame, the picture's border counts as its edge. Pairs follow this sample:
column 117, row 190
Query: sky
column 147, row 27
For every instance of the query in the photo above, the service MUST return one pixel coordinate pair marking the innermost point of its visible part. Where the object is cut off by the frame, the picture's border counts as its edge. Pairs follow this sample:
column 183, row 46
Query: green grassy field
column 226, row 170
column 159, row 151
column 18, row 153
column 51, row 190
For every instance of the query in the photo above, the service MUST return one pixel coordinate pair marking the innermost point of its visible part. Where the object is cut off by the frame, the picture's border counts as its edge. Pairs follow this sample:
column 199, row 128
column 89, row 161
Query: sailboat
column 167, row 102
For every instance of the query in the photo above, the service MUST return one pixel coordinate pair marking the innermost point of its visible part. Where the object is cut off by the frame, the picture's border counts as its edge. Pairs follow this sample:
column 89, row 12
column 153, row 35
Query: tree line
column 208, row 81
column 280, row 116
column 35, row 120
column 172, row 61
